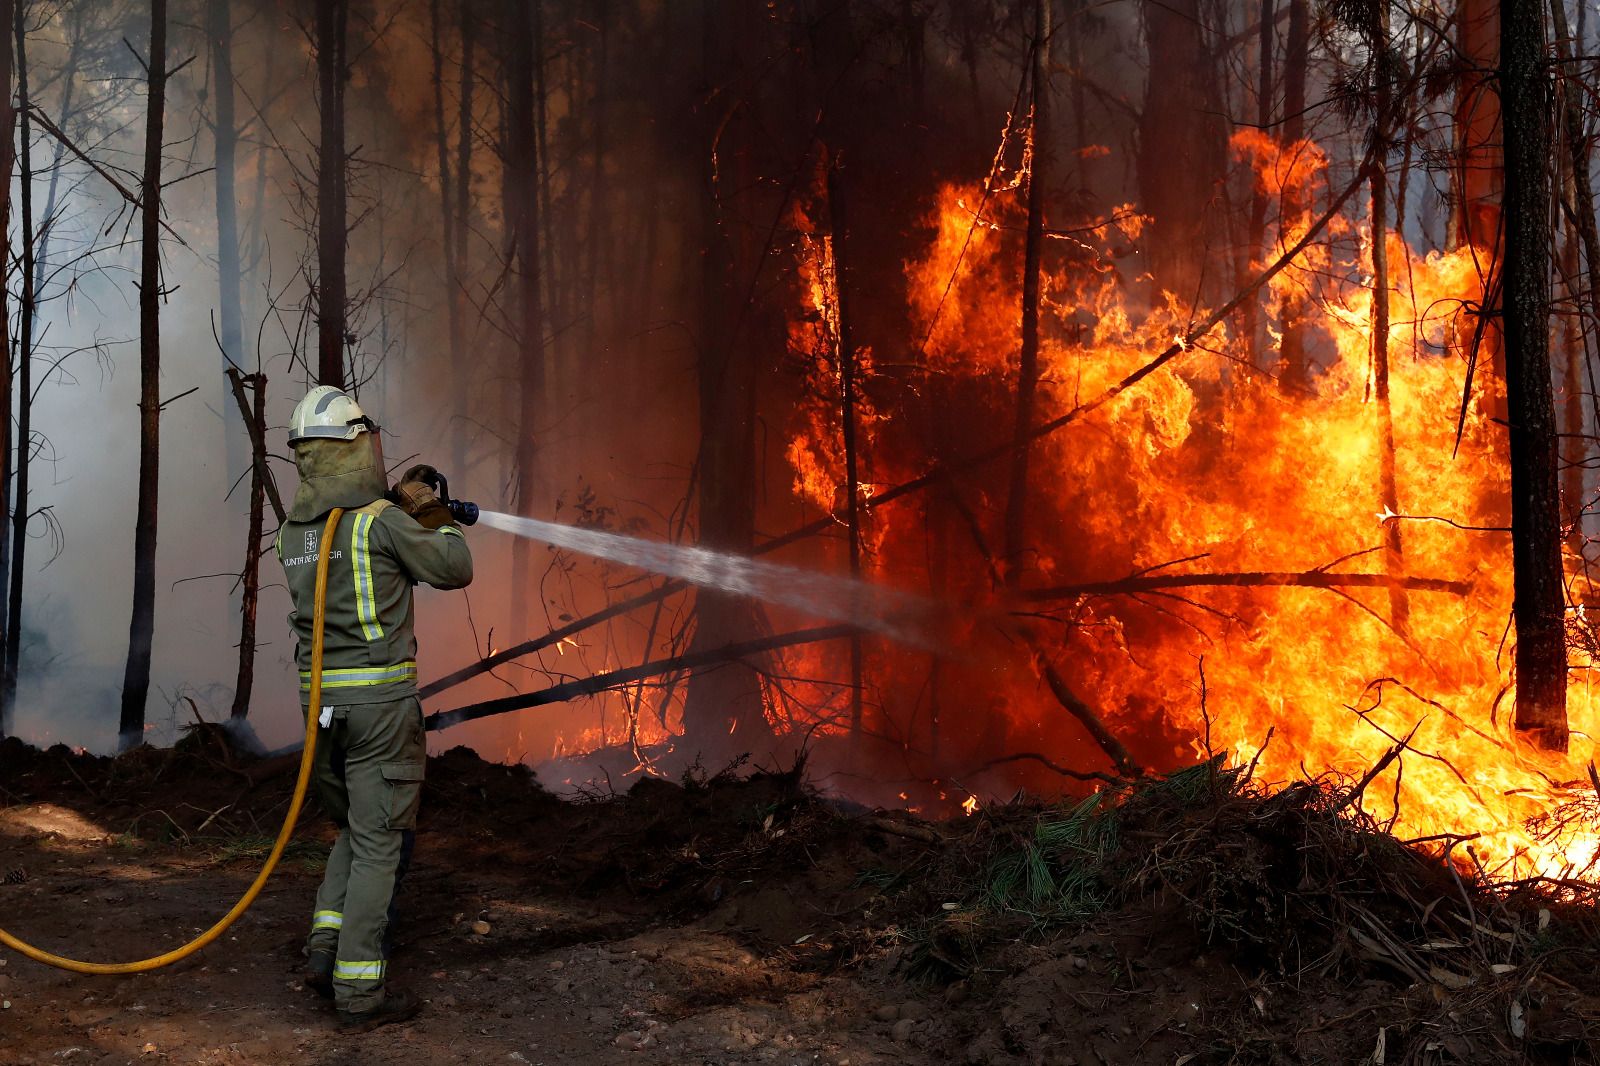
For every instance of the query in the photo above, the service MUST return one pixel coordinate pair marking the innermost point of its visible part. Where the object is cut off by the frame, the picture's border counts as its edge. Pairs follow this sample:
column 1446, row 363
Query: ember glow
column 1205, row 467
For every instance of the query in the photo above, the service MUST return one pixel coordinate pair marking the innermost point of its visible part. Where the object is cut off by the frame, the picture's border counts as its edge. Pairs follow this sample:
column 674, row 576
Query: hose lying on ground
column 319, row 616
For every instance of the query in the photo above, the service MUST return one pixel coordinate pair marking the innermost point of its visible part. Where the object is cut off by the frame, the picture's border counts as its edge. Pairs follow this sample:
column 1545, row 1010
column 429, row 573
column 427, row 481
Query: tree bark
column 251, row 583
column 1294, row 372
column 225, row 139
column 1266, row 91
column 1539, row 603
column 8, row 130
column 460, row 396
column 724, row 711
column 1182, row 148
column 847, row 408
column 24, row 378
column 141, row 629
column 522, row 212
column 332, row 234
column 1016, row 521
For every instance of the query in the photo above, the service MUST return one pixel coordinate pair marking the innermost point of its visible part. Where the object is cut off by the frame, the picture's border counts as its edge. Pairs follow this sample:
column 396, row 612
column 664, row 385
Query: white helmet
column 328, row 413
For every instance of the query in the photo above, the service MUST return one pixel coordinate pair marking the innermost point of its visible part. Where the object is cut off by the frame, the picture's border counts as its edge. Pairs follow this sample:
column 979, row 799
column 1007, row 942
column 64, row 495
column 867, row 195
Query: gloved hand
column 416, row 498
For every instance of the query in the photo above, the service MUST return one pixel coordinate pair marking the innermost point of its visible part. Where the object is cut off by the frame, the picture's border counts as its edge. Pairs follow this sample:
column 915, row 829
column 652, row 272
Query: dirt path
column 554, row 981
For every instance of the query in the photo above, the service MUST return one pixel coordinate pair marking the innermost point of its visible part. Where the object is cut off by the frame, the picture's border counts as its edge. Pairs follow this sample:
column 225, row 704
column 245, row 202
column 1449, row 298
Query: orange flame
column 1214, row 464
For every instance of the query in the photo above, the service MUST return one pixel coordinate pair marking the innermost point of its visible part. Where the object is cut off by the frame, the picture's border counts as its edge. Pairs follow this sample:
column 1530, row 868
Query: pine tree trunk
column 1388, row 487
column 8, row 133
column 225, row 138
column 837, row 214
column 141, row 630
column 24, row 378
column 251, row 584
column 1539, row 604
column 522, row 213
column 724, row 710
column 460, row 394
column 332, row 236
column 1182, row 150
column 1294, row 373
column 1265, row 92
column 1016, row 522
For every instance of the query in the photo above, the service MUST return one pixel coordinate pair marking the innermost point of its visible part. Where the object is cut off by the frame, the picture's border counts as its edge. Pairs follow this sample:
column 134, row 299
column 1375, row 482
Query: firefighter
column 370, row 744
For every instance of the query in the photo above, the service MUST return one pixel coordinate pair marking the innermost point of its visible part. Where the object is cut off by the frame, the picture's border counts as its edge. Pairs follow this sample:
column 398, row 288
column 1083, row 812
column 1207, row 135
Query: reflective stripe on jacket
column 379, row 552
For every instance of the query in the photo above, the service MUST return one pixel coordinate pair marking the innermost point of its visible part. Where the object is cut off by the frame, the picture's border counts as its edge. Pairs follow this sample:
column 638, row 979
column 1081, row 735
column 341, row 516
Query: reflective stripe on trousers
column 358, row 971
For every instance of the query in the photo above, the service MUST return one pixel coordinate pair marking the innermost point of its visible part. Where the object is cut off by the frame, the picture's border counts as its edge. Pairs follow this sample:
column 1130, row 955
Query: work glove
column 416, row 498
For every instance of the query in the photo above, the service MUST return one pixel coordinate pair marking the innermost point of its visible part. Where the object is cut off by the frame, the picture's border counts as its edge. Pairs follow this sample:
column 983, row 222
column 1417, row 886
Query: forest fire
column 1212, row 469
column 1004, row 531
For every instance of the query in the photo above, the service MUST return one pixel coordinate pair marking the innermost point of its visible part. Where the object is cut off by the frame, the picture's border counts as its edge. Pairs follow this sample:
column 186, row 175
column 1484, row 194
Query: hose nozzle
column 463, row 511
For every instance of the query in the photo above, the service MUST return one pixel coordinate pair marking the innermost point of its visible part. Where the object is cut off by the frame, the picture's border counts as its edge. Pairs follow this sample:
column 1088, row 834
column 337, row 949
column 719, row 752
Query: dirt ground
column 730, row 922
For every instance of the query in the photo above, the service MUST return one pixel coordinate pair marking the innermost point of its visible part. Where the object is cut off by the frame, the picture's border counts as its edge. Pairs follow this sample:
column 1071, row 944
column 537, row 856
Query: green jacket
column 369, row 638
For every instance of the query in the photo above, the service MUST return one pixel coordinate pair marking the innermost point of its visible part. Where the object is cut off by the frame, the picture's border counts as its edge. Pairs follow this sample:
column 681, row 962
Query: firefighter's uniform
column 370, row 747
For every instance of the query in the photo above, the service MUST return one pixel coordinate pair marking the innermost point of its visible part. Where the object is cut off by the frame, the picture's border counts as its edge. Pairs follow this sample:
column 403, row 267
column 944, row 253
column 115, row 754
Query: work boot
column 319, row 973
column 394, row 1008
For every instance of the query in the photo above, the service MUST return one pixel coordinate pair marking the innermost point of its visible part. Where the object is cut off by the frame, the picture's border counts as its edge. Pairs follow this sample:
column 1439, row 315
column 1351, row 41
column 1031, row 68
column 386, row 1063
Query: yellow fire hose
column 318, row 615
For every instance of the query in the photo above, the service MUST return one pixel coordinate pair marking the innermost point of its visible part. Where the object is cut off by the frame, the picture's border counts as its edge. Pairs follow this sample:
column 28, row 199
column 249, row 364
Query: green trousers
column 370, row 760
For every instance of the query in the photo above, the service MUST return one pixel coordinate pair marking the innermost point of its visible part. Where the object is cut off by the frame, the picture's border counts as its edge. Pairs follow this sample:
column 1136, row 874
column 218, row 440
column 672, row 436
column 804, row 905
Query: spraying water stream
column 900, row 616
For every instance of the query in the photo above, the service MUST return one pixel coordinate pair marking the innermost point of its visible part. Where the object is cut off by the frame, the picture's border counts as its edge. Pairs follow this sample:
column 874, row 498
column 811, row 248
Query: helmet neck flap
column 337, row 473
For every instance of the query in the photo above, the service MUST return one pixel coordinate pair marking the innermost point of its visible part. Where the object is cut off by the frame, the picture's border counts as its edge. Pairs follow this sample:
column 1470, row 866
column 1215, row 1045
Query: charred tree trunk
column 1182, row 150
column 1266, row 91
column 522, row 214
column 1377, row 34
column 724, row 711
column 8, row 130
column 24, row 379
column 1294, row 373
column 225, row 139
column 1539, row 604
column 460, row 395
column 847, row 407
column 251, row 583
column 1016, row 527
column 1572, row 488
column 141, row 630
column 332, row 233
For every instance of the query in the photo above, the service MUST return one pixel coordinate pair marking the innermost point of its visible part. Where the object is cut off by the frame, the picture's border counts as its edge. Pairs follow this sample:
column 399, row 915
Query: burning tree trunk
column 1376, row 32
column 1266, row 90
column 1294, row 373
column 1540, row 597
column 332, row 235
column 847, row 409
column 522, row 215
column 1016, row 527
column 1181, row 146
column 1572, row 490
column 24, row 379
column 8, row 129
column 141, row 630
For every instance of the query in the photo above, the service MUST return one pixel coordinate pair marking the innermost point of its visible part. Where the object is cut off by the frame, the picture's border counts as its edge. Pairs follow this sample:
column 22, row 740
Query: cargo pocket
column 404, row 781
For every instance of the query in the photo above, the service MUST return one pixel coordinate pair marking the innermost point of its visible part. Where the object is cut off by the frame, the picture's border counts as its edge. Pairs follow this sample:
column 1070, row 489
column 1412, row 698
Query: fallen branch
column 1119, row 754
column 909, row 830
column 939, row 473
column 619, row 678
column 1316, row 579
column 1049, row 764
